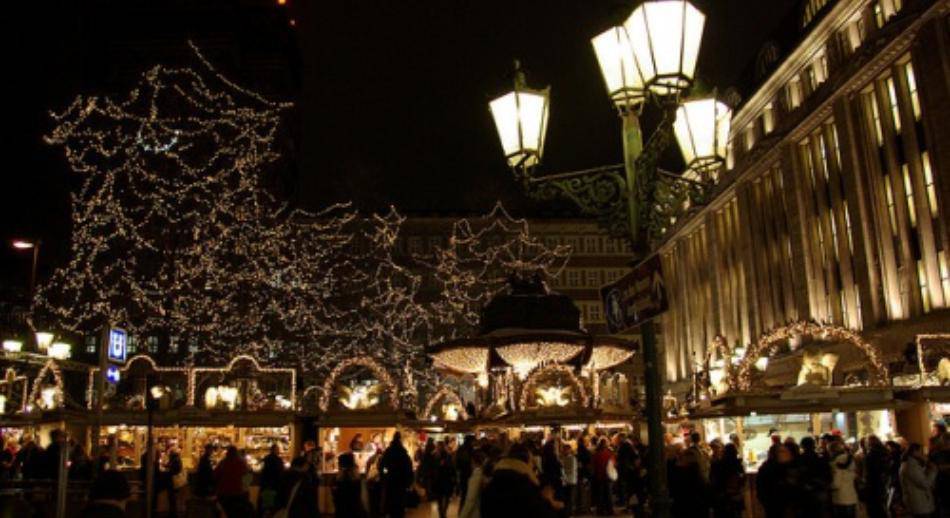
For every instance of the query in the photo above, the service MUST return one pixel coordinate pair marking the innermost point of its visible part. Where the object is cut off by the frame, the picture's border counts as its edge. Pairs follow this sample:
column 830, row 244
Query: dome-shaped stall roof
column 528, row 326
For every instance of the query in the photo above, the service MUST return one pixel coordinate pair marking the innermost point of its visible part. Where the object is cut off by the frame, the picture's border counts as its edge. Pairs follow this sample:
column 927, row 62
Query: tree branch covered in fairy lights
column 174, row 233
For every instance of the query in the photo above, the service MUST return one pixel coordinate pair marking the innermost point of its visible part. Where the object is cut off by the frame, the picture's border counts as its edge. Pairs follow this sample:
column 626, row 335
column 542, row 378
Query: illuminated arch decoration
column 359, row 361
column 311, row 393
column 877, row 371
column 8, row 385
column 530, row 384
column 133, row 361
column 59, row 395
column 256, row 367
column 445, row 394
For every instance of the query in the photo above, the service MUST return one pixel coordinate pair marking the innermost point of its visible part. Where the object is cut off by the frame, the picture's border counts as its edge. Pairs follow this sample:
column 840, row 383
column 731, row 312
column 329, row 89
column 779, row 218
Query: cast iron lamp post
column 650, row 59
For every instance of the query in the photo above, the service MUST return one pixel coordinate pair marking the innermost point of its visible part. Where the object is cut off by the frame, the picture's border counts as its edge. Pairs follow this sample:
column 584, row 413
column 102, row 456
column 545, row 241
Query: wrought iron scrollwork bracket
column 600, row 192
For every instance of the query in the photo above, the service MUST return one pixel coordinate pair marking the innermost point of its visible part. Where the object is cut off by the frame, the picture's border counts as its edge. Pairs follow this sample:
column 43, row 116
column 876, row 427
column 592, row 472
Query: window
column 794, row 93
column 415, row 245
column 152, row 344
column 91, row 344
column 593, row 278
column 909, row 191
column 875, row 118
column 889, row 199
column 749, row 135
column 922, row 282
column 595, row 313
column 610, row 246
column 855, row 33
column 573, row 278
column 130, row 345
column 592, row 245
column 768, row 118
column 823, row 149
column 944, row 273
column 912, row 86
column 895, row 107
column 929, row 185
column 847, row 223
column 821, row 67
column 730, row 156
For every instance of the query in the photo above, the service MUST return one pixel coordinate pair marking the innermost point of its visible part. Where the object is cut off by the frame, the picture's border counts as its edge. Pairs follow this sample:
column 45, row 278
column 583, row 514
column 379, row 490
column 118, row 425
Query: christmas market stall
column 242, row 404
column 928, row 392
column 801, row 379
column 533, row 368
column 125, row 417
column 40, row 393
column 358, row 410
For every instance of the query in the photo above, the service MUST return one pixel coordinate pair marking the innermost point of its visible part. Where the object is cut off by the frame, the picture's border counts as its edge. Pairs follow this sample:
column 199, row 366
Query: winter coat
column 444, row 483
column 601, row 459
column 272, row 471
column 229, row 477
column 473, row 497
column 843, row 474
column 917, row 484
column 304, row 504
column 514, row 492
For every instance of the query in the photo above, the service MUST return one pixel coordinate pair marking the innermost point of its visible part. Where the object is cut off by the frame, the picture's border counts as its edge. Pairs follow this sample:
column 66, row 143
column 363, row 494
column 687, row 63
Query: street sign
column 636, row 297
column 118, row 339
column 112, row 374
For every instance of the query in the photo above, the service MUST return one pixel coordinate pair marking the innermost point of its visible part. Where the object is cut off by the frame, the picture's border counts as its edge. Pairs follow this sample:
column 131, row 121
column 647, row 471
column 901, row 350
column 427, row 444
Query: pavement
column 430, row 510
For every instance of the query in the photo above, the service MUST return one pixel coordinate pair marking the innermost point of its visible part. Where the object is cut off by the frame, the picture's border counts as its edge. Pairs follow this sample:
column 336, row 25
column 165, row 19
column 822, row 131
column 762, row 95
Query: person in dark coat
column 204, row 476
column 514, row 490
column 427, row 466
column 297, row 490
column 28, row 460
column 396, row 467
column 229, row 484
column 727, row 477
column 584, row 473
column 876, row 478
column 688, row 487
column 272, row 470
column 776, row 483
column 443, row 487
column 552, row 471
column 463, row 463
column 108, row 496
column 626, row 469
column 80, row 466
column 51, row 457
column 815, row 487
column 346, row 489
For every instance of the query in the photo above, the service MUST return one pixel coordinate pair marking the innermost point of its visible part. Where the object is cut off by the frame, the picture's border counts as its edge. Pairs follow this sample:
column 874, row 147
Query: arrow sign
column 636, row 297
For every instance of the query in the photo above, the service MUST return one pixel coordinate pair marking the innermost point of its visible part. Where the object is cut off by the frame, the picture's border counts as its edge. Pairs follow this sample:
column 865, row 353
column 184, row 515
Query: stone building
column 834, row 203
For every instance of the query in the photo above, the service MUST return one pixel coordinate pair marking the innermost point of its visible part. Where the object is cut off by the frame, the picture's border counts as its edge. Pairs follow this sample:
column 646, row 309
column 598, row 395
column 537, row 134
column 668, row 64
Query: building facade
column 833, row 206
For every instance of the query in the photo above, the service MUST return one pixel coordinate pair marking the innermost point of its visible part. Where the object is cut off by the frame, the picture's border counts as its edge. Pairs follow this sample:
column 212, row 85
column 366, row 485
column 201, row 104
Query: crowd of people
column 813, row 477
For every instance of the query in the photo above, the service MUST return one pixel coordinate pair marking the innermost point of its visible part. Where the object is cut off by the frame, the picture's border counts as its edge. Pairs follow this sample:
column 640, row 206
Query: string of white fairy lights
column 173, row 231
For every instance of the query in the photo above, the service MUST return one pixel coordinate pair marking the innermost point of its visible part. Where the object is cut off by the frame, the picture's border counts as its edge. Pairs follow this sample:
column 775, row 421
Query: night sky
column 392, row 95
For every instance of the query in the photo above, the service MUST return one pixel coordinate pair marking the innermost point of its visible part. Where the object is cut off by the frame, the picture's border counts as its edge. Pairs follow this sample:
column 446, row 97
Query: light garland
column 530, row 384
column 469, row 360
column 36, row 395
column 878, row 374
column 360, row 361
column 526, row 356
column 444, row 393
column 153, row 366
column 607, row 356
column 195, row 371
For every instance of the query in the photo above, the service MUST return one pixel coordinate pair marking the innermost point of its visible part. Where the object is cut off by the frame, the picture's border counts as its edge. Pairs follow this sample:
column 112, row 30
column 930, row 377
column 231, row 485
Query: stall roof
column 812, row 400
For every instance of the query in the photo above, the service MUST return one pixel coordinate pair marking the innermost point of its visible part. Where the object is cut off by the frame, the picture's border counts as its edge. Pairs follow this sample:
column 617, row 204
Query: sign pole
column 98, row 395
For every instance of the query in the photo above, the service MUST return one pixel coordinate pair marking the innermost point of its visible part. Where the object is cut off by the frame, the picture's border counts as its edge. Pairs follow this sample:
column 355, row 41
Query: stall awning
column 814, row 400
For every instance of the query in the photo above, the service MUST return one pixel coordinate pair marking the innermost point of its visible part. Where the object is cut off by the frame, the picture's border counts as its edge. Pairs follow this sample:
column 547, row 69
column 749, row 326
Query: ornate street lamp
column 702, row 131
column 43, row 340
column 521, row 117
column 625, row 83
column 665, row 36
column 650, row 58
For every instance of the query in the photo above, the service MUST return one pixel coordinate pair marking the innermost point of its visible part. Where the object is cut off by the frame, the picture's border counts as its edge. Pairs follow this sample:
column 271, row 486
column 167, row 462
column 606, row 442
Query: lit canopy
column 521, row 117
column 665, row 37
column 624, row 79
column 702, row 131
